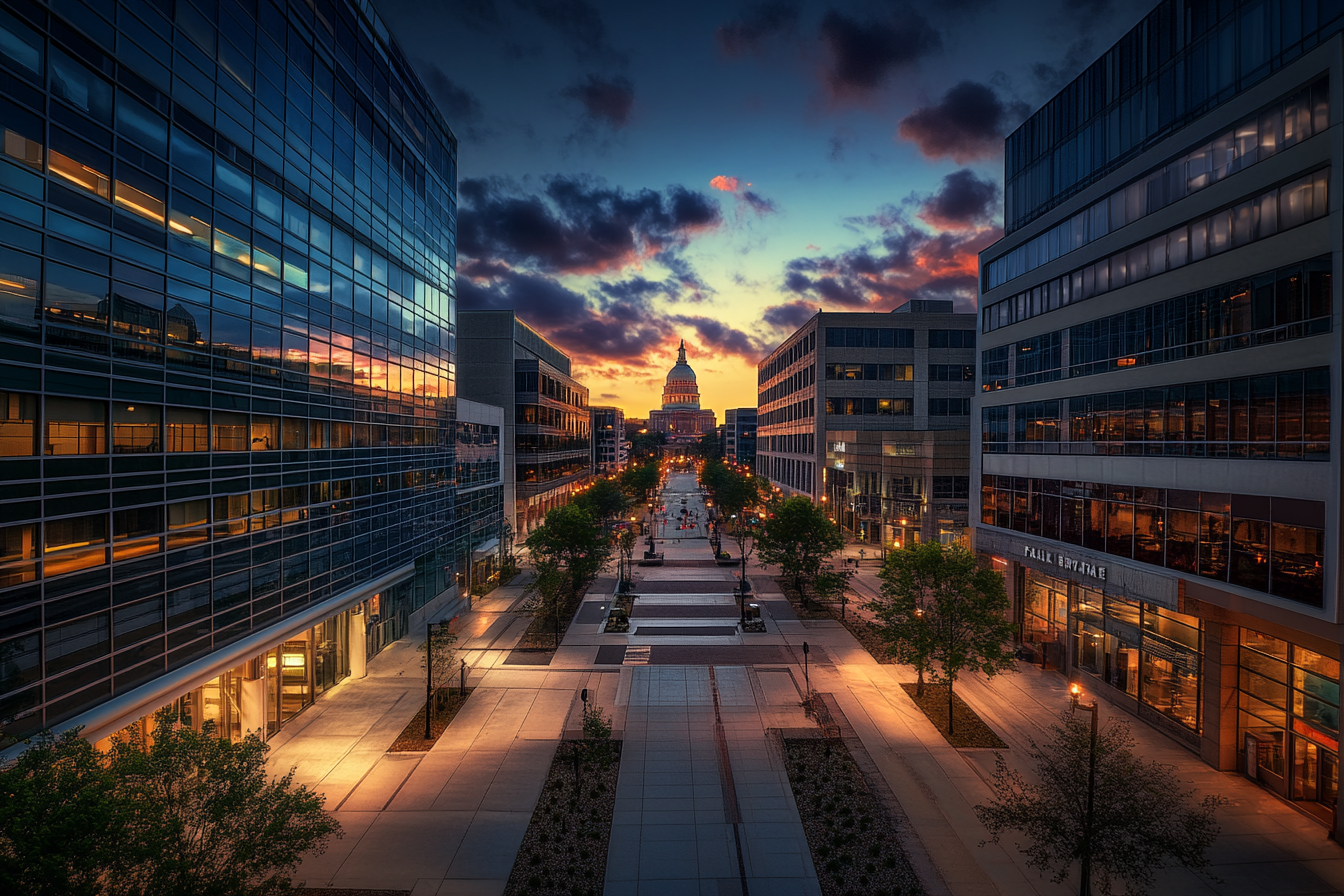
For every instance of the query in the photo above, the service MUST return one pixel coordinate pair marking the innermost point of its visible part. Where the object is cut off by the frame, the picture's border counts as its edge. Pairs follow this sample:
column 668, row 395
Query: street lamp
column 1085, row 885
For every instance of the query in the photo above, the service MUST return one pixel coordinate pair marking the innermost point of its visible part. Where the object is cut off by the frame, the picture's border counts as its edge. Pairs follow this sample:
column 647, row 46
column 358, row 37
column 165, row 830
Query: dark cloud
column 604, row 100
column 901, row 261
column 757, row 203
column 757, row 22
column 862, row 54
column 789, row 316
column 481, row 14
column 963, row 200
column 460, row 107
column 581, row 25
column 577, row 225
column 968, row 123
column 539, row 300
column 721, row 338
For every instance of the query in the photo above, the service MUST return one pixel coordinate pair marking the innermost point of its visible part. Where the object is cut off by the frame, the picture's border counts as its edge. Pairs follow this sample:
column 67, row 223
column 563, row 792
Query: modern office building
column 739, row 436
column 610, row 449
column 867, row 413
column 228, row 434
column 547, row 423
column 1159, row 385
column 681, row 419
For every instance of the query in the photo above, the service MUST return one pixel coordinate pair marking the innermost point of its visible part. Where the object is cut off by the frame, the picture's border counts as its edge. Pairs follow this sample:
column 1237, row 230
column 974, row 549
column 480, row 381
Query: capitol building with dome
column 681, row 417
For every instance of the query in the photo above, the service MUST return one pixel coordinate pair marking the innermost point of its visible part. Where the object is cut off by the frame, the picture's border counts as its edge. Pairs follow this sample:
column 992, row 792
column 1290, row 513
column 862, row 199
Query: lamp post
column 1085, row 885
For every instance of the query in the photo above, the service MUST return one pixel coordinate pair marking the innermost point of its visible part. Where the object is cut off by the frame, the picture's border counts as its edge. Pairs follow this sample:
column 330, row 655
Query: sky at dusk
column 631, row 174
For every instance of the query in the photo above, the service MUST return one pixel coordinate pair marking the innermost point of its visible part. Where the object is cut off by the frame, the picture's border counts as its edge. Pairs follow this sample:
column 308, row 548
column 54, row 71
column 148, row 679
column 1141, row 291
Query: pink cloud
column 726, row 183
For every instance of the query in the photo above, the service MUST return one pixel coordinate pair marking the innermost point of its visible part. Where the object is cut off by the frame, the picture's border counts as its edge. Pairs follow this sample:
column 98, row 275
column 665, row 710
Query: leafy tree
column 647, row 444
column 708, row 447
column 181, row 812
column 210, row 817
column 832, row 585
column 938, row 605
column 625, row 545
column 798, row 538
column 571, row 540
column 604, row 500
column 547, row 592
column 638, row 481
column 58, row 808
column 732, row 492
column 1143, row 818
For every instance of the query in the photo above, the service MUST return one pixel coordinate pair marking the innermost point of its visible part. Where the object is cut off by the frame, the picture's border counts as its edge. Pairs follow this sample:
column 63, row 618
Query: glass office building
column 227, row 394
column 1158, row 398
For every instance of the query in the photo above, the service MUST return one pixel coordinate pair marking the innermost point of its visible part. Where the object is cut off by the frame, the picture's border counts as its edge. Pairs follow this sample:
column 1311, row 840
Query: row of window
column 1291, row 302
column 1270, row 545
column 1285, row 415
column 868, row 407
column 792, row 443
column 798, row 410
column 80, row 426
column 1278, row 681
column 1175, row 65
column 1273, row 211
column 869, row 337
column 544, row 415
column 951, row 373
column 878, row 372
column 949, row 407
column 797, row 381
column 786, row 356
column 547, row 471
column 548, row 386
column 1304, row 114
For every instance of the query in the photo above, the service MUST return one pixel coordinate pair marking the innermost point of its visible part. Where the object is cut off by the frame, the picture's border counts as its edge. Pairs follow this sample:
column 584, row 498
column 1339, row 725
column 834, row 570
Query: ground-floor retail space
column 266, row 690
column 1246, row 692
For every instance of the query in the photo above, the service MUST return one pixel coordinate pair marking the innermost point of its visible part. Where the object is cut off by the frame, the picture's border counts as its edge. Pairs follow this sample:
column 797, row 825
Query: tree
column 1142, row 816
column 708, row 447
column 603, row 499
column 625, row 544
column 573, row 541
column 832, row 584
column 938, row 605
column 797, row 538
column 638, row 481
column 58, row 806
column 646, row 444
column 182, row 812
column 209, row 815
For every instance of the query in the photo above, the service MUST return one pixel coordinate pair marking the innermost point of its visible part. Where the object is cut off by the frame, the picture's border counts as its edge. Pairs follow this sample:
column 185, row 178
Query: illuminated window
column 79, row 175
column 76, row 426
column 188, row 430
column 136, row 532
column 135, row 428
column 188, row 523
column 18, row 424
column 75, row 544
column 139, row 202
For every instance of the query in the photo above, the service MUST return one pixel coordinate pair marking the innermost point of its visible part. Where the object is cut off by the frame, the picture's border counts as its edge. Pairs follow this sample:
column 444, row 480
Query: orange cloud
column 724, row 182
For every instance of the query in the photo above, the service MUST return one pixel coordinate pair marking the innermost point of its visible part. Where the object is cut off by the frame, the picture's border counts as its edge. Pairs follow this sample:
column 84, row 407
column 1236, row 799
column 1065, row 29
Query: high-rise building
column 739, row 436
column 547, row 423
column 227, row 422
column 1159, row 375
column 867, row 414
column 610, row 449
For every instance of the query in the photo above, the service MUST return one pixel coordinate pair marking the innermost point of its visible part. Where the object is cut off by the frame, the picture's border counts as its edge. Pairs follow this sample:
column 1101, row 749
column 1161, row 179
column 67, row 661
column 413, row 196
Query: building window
column 188, row 523
column 18, row 424
column 18, row 554
column 230, row 431
column 189, row 430
column 75, row 543
column 136, row 532
column 135, row 428
column 76, row 426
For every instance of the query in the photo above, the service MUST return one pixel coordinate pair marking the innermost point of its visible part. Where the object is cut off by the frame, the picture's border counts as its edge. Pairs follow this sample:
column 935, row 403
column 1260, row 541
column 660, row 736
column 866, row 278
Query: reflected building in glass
column 1158, row 385
column 231, row 461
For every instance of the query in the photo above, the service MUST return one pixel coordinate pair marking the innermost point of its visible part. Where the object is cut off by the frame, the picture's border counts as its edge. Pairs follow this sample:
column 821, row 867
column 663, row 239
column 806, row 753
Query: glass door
column 296, row 690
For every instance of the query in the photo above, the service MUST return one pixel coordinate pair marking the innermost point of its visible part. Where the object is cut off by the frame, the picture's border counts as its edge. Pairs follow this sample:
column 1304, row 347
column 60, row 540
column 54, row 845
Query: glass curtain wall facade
column 226, row 335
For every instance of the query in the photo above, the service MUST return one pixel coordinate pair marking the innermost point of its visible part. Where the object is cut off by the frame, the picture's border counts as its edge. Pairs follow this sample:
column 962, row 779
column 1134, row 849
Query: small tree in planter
column 832, row 586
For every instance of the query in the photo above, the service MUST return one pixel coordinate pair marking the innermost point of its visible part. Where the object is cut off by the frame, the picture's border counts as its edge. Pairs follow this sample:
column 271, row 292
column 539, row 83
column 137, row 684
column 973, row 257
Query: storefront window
column 1170, row 664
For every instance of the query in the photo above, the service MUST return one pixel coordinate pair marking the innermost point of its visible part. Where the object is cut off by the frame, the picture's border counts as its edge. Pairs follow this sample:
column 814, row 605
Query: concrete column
column 1218, row 744
column 357, row 649
column 252, row 706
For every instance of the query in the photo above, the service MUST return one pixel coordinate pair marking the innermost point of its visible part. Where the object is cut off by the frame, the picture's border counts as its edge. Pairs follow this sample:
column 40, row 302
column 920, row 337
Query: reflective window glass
column 75, row 426
column 135, row 428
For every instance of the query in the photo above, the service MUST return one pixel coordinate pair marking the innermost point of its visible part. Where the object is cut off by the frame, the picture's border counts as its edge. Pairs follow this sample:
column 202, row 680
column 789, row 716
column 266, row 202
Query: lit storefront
column 1288, row 719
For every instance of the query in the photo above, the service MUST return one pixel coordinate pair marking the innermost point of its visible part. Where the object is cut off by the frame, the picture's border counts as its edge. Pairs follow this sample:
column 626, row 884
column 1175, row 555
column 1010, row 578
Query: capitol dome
column 681, row 392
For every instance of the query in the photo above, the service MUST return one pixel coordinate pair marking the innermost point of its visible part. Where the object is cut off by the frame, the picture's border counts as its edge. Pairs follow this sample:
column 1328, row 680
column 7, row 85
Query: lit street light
column 1085, row 885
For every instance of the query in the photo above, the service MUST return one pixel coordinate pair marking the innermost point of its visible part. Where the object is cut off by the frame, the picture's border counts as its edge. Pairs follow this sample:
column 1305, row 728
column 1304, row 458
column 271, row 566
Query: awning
column 486, row 549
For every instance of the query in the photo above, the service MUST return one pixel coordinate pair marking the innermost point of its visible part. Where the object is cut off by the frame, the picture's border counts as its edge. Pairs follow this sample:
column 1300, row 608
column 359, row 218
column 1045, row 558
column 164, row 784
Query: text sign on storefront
column 1065, row 562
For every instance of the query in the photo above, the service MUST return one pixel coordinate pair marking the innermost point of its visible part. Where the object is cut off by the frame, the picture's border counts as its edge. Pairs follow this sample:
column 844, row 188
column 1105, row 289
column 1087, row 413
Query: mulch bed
column 809, row 610
column 336, row 891
column 971, row 731
column 412, row 738
column 565, row 848
column 855, row 844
